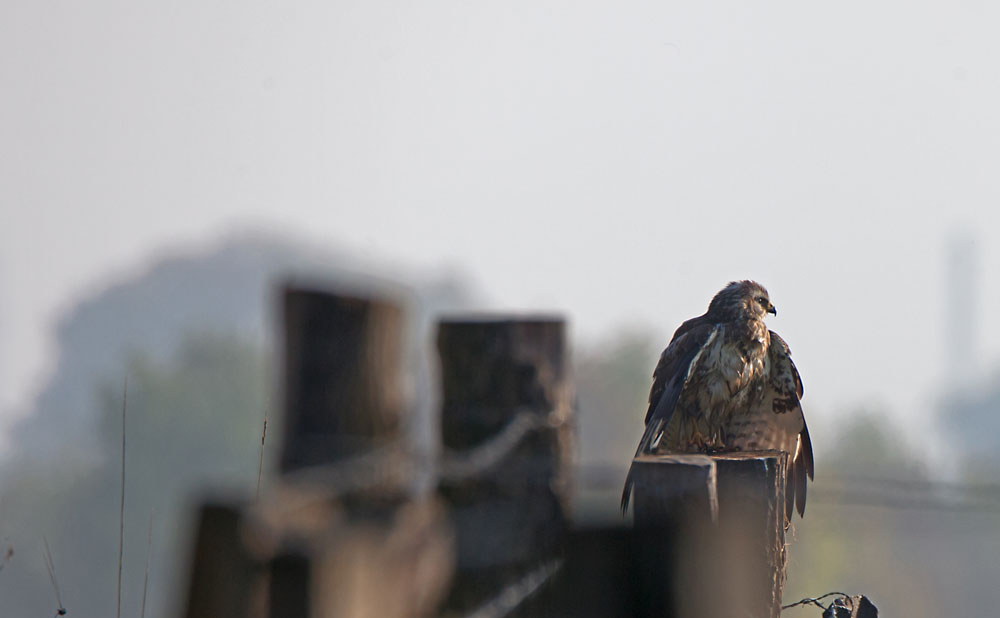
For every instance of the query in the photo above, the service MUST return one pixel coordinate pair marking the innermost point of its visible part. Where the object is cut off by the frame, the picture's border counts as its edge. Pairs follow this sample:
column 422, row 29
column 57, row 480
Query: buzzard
column 725, row 383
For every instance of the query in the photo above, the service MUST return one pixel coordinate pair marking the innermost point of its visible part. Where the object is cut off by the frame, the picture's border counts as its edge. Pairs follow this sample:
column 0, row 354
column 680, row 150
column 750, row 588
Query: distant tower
column 3, row 333
column 6, row 361
column 962, row 294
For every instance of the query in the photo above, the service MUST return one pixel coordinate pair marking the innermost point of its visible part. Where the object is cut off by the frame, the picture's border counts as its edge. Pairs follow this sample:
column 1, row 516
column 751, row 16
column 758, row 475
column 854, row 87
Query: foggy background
column 618, row 163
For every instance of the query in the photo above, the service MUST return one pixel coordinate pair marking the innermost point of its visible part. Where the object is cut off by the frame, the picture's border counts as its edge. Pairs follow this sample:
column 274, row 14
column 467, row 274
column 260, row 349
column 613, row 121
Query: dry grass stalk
column 121, row 519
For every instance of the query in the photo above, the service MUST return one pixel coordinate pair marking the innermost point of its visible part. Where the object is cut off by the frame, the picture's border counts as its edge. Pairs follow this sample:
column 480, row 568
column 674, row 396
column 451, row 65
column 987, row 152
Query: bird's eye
column 762, row 300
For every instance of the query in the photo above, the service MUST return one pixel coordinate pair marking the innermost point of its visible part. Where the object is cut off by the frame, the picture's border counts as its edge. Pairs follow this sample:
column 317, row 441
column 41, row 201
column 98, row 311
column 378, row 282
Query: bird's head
column 741, row 299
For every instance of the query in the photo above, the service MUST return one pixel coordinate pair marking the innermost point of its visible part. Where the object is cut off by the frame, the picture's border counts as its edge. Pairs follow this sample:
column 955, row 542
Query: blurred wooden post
column 290, row 584
column 395, row 566
column 726, row 514
column 344, row 399
column 512, row 516
column 317, row 546
column 615, row 572
column 342, row 376
column 222, row 571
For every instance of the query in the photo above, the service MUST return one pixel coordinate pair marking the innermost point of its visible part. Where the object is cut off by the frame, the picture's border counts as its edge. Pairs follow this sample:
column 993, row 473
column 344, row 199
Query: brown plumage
column 726, row 382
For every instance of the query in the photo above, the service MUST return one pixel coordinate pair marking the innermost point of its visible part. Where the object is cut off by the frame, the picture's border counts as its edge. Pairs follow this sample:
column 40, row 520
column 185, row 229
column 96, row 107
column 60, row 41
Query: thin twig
column 52, row 577
column 260, row 464
column 149, row 548
column 121, row 519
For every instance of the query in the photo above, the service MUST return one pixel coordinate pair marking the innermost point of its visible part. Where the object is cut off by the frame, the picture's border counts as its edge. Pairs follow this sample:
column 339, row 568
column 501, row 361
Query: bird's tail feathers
column 653, row 430
column 800, row 470
column 807, row 451
column 650, row 437
column 627, row 492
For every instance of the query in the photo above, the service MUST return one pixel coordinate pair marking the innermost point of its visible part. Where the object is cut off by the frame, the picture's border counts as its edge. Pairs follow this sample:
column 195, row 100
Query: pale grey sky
column 618, row 161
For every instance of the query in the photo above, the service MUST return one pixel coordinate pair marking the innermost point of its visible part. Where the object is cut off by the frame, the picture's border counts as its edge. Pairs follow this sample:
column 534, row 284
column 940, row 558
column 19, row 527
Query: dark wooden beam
column 221, row 569
column 511, row 515
column 338, row 535
column 751, row 488
column 726, row 514
column 394, row 567
column 342, row 376
column 609, row 572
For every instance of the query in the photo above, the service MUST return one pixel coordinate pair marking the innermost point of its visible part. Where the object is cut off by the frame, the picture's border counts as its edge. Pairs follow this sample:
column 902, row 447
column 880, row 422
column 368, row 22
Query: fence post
column 726, row 514
column 317, row 545
column 751, row 490
column 222, row 570
column 342, row 376
column 394, row 566
column 614, row 572
column 512, row 515
column 676, row 502
column 344, row 401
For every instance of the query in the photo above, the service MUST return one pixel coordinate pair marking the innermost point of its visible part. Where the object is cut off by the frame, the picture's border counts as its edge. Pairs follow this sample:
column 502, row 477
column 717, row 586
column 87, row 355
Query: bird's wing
column 669, row 378
column 672, row 370
column 775, row 421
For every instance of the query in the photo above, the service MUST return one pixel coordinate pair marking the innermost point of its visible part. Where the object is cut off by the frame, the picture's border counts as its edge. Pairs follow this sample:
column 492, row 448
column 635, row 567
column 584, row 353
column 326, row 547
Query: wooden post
column 339, row 536
column 726, row 514
column 676, row 502
column 290, row 584
column 751, row 490
column 397, row 566
column 614, row 572
column 221, row 569
column 512, row 515
column 356, row 548
column 669, row 488
column 342, row 376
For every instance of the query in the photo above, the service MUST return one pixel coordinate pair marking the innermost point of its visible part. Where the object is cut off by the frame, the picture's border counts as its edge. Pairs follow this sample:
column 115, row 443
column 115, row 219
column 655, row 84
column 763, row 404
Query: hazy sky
column 618, row 160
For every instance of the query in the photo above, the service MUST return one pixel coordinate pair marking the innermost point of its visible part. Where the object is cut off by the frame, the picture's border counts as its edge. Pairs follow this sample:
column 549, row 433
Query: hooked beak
column 772, row 309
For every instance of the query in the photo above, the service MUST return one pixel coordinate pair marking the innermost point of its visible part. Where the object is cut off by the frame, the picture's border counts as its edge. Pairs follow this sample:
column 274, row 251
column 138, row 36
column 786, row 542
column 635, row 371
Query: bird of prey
column 725, row 383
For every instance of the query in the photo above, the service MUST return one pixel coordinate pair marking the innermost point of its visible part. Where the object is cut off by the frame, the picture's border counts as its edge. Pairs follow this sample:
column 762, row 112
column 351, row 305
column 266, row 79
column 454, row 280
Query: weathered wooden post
column 676, row 502
column 397, row 565
column 344, row 401
column 222, row 570
column 726, row 515
column 290, row 584
column 341, row 534
column 751, row 489
column 616, row 572
column 505, row 416
column 342, row 376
